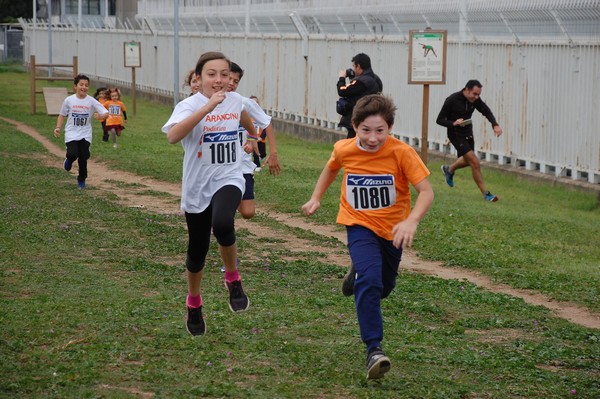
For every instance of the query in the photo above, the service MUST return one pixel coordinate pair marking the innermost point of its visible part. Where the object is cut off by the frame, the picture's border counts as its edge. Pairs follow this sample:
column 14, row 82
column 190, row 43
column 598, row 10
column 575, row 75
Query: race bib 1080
column 370, row 192
column 220, row 148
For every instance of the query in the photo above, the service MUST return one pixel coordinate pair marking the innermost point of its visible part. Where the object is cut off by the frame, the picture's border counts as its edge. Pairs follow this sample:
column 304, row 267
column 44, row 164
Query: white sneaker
column 258, row 169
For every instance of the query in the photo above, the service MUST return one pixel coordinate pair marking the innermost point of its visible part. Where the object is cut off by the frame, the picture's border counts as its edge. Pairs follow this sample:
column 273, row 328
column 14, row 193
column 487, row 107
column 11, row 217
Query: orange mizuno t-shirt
column 115, row 112
column 375, row 187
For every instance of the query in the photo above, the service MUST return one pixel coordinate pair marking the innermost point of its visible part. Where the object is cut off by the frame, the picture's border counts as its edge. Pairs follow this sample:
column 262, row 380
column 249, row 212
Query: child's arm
column 178, row 131
column 101, row 113
column 246, row 121
column 272, row 161
column 327, row 177
column 101, row 117
column 59, row 122
column 404, row 232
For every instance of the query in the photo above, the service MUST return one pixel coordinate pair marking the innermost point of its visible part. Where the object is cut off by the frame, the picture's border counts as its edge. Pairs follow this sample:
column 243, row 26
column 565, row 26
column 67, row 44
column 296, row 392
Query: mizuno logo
column 356, row 180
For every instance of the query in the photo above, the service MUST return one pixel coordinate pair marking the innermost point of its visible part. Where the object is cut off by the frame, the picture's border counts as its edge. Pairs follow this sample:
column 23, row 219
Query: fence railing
column 544, row 93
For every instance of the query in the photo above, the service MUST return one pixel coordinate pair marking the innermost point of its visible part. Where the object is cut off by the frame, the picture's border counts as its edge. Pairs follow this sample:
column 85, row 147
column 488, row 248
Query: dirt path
column 132, row 190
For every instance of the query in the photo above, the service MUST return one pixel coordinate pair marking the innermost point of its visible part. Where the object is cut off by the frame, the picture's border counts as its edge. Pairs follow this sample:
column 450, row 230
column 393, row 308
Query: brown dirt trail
column 104, row 179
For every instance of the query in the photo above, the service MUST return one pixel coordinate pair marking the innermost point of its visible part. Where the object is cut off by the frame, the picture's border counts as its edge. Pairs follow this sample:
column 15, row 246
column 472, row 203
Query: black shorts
column 249, row 193
column 463, row 144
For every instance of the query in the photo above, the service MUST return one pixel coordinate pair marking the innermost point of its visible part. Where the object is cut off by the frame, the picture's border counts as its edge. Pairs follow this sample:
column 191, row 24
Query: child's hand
column 248, row 148
column 216, row 99
column 273, row 163
column 404, row 233
column 57, row 132
column 311, row 207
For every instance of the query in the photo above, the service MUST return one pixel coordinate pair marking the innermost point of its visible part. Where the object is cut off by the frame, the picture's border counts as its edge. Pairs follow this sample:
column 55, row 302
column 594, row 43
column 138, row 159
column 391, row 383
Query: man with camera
column 363, row 81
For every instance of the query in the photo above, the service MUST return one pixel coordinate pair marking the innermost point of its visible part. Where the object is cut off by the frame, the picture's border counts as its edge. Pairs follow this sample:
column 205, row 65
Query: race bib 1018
column 220, row 148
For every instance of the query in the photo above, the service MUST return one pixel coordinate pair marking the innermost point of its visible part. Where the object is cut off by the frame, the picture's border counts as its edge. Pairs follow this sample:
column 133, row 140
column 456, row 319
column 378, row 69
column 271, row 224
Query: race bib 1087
column 370, row 192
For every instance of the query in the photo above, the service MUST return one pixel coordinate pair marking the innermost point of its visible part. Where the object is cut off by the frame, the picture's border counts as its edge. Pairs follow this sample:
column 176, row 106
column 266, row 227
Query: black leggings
column 219, row 216
column 80, row 151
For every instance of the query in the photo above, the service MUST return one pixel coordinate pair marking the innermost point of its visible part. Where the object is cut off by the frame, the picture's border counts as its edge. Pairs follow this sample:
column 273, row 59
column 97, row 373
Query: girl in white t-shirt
column 206, row 124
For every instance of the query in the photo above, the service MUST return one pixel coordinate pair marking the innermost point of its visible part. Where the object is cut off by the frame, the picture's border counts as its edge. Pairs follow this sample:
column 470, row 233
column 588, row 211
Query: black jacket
column 363, row 85
column 457, row 106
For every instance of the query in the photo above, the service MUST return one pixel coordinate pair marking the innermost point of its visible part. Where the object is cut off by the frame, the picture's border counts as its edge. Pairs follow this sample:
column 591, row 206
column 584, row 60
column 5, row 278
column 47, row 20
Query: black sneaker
column 238, row 300
column 195, row 322
column 67, row 164
column 377, row 364
column 348, row 282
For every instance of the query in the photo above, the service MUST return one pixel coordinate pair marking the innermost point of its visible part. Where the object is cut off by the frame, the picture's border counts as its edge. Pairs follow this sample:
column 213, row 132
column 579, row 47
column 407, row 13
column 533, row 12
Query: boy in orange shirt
column 375, row 207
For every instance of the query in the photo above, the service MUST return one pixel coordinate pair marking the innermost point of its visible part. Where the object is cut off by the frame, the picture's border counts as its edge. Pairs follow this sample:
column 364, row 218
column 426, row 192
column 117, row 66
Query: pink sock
column 232, row 276
column 194, row 301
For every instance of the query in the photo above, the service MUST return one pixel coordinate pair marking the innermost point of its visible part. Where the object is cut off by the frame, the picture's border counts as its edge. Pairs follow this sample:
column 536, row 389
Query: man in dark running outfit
column 457, row 108
column 364, row 83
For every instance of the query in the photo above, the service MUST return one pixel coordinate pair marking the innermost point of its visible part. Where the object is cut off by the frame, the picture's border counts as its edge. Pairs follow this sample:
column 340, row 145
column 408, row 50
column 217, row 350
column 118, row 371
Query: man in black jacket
column 456, row 117
column 365, row 82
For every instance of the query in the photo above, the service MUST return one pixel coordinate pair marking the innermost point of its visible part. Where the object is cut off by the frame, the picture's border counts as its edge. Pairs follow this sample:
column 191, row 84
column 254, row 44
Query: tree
column 11, row 10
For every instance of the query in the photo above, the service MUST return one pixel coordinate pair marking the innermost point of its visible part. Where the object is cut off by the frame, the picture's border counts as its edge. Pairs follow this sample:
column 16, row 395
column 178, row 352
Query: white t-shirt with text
column 79, row 112
column 212, row 153
column 261, row 121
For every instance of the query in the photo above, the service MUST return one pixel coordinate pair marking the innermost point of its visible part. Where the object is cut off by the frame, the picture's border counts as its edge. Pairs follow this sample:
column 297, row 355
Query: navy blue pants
column 376, row 261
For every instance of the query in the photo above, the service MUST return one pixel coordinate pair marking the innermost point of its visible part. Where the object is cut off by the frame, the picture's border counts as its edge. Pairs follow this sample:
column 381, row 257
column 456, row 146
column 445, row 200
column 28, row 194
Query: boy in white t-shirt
column 261, row 120
column 79, row 109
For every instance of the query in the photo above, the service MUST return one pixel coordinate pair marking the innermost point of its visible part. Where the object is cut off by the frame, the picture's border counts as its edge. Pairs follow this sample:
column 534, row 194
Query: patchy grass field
column 92, row 292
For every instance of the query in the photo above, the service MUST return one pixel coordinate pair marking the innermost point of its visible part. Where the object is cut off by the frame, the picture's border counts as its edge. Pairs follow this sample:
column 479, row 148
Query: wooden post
column 34, row 77
column 75, row 66
column 425, row 123
column 133, row 94
column 32, row 82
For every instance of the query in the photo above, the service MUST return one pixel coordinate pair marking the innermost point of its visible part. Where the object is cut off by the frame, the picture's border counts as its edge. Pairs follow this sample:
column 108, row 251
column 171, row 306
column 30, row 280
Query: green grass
column 92, row 292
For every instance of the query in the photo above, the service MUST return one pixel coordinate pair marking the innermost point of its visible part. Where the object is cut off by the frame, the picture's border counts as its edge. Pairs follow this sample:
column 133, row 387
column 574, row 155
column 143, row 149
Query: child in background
column 261, row 143
column 117, row 115
column 193, row 82
column 79, row 108
column 375, row 207
column 258, row 114
column 101, row 95
column 261, row 120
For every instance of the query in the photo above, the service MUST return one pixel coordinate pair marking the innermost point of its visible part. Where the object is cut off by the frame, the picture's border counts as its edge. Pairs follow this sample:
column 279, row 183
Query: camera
column 350, row 73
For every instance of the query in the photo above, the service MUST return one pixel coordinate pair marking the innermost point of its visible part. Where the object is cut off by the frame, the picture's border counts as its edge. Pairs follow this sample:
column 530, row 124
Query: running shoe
column 490, row 197
column 67, row 164
column 377, row 364
column 195, row 322
column 449, row 176
column 81, row 184
column 238, row 300
column 348, row 281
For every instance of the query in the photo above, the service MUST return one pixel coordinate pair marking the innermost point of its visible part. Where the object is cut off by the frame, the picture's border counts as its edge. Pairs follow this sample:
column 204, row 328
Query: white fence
column 545, row 95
